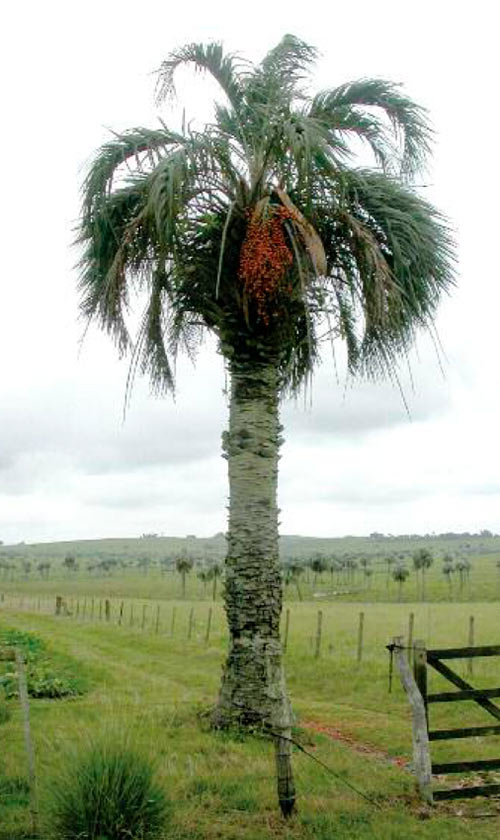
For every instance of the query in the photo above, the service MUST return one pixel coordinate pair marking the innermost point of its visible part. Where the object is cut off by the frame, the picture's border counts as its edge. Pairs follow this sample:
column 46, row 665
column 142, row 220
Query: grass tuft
column 107, row 791
column 5, row 712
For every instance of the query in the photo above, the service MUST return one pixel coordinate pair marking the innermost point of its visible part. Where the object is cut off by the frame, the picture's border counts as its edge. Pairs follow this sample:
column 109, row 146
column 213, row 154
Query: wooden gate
column 423, row 659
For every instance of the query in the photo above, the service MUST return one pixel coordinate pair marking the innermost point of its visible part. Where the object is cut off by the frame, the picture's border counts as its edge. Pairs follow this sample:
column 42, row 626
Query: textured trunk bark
column 253, row 688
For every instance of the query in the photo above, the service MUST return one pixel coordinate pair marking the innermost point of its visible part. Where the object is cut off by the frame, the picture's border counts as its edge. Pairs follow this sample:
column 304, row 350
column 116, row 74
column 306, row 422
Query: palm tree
column 318, row 565
column 261, row 229
column 400, row 573
column 390, row 560
column 214, row 572
column 204, row 577
column 365, row 563
column 70, row 563
column 183, row 564
column 448, row 569
column 422, row 560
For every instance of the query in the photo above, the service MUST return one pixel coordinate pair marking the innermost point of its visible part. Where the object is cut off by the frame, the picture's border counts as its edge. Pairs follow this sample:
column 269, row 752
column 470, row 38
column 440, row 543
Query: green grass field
column 154, row 687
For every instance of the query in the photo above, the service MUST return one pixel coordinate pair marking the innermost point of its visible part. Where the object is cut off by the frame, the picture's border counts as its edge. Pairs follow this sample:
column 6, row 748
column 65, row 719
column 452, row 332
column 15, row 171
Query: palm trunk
column 253, row 682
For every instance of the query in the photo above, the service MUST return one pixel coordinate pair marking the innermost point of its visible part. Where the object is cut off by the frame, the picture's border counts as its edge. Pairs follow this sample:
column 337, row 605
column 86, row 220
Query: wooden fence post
column 120, row 615
column 420, row 672
column 470, row 668
column 319, row 628
column 421, row 754
column 157, row 622
column 284, row 773
column 360, row 635
column 190, row 624
column 107, row 609
column 23, row 699
column 287, row 628
column 77, row 609
column 84, row 611
column 143, row 622
column 411, row 625
column 209, row 624
column 131, row 617
column 58, row 604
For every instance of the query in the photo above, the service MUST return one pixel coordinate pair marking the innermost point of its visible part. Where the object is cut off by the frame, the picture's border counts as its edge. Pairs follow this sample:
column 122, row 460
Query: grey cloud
column 198, row 485
column 59, row 428
column 364, row 407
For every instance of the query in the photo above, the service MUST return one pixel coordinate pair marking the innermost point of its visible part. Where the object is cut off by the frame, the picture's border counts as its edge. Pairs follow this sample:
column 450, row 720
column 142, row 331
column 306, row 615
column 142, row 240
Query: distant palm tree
column 400, row 574
column 143, row 563
column 365, row 564
column 390, row 560
column 351, row 565
column 318, row 565
column 213, row 574
column 183, row 564
column 422, row 560
column 463, row 567
column 261, row 229
column 70, row 563
column 26, row 564
column 204, row 577
column 448, row 569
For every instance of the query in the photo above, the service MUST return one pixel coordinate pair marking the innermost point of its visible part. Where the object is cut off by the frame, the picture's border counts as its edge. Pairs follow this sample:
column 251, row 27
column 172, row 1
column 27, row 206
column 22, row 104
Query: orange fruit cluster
column 264, row 259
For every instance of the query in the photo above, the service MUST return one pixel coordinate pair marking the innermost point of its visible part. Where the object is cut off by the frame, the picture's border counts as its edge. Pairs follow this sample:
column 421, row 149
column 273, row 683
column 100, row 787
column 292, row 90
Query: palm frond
column 288, row 63
column 226, row 69
column 136, row 146
column 390, row 257
column 169, row 185
column 154, row 358
column 408, row 121
column 109, row 234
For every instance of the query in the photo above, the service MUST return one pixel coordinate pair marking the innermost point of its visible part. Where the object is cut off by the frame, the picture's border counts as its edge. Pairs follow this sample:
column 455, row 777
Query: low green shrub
column 48, row 674
column 32, row 646
column 107, row 791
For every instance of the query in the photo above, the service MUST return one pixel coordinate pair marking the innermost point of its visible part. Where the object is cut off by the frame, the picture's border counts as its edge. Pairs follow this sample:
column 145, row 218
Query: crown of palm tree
column 260, row 227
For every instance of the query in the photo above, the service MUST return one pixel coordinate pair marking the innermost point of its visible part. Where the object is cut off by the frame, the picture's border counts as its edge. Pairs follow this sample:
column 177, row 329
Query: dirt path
column 357, row 746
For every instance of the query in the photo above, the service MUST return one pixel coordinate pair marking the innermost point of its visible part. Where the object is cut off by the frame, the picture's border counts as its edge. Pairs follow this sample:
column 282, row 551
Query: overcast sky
column 353, row 461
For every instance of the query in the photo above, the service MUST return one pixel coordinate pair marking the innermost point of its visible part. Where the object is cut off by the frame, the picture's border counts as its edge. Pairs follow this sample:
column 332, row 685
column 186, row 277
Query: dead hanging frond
column 308, row 234
column 222, row 247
